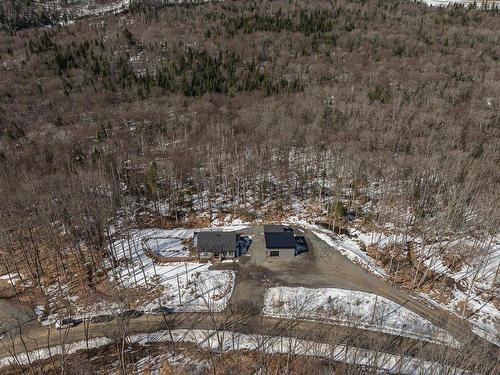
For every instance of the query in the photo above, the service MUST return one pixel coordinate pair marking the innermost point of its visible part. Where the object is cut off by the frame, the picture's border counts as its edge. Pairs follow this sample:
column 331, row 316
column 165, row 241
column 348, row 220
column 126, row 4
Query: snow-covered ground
column 230, row 341
column 351, row 308
column 10, row 277
column 167, row 247
column 27, row 358
column 443, row 3
column 483, row 271
column 187, row 286
column 480, row 269
column 180, row 286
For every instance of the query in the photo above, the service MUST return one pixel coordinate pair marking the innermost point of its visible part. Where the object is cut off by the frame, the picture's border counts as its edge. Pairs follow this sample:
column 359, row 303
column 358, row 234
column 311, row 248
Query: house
column 218, row 245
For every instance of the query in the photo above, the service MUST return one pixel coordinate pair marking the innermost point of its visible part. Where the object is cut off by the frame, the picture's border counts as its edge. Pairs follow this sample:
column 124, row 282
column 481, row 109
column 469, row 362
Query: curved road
column 322, row 266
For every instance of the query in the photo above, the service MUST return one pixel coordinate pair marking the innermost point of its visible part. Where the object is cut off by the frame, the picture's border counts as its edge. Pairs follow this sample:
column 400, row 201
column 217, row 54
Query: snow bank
column 229, row 341
column 27, row 358
column 352, row 308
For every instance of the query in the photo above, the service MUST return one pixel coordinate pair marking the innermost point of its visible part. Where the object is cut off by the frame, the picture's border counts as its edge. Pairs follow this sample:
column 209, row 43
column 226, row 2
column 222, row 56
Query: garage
column 280, row 244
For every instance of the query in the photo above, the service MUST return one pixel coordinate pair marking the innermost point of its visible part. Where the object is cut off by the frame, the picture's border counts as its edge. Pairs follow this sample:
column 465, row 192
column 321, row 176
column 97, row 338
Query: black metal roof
column 216, row 242
column 280, row 240
column 273, row 228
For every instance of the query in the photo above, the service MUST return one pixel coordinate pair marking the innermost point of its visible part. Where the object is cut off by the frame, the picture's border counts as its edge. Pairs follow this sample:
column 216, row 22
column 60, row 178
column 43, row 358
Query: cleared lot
column 321, row 267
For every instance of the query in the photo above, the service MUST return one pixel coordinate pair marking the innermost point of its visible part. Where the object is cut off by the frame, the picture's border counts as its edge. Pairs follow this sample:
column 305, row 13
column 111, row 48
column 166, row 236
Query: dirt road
column 240, row 321
column 322, row 266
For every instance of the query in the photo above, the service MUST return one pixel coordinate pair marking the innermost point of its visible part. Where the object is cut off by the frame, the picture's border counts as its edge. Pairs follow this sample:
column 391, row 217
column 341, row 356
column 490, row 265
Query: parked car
column 130, row 314
column 102, row 318
column 68, row 323
column 162, row 310
column 301, row 246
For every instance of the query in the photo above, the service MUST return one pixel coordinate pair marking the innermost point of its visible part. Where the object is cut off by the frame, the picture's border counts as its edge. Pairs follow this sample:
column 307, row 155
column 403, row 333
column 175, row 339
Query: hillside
column 371, row 128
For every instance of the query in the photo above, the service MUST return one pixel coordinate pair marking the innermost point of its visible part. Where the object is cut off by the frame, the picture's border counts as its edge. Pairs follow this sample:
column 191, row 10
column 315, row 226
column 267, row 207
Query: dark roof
column 280, row 240
column 273, row 228
column 210, row 242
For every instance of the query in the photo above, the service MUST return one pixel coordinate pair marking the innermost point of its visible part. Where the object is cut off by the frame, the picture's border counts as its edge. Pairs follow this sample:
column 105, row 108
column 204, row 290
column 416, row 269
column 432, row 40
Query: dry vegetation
column 165, row 112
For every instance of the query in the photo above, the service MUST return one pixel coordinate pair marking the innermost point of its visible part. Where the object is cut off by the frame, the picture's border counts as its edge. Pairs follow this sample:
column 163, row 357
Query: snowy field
column 351, row 308
column 167, row 247
column 179, row 286
column 187, row 286
column 230, row 341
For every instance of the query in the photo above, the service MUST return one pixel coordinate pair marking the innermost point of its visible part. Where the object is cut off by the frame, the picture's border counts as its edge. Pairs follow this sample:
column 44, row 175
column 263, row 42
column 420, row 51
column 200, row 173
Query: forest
column 388, row 109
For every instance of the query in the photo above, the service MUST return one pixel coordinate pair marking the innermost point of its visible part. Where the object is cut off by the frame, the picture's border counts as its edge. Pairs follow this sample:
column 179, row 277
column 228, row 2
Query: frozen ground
column 187, row 286
column 481, row 262
column 180, row 286
column 167, row 247
column 481, row 271
column 230, row 341
column 351, row 308
column 444, row 3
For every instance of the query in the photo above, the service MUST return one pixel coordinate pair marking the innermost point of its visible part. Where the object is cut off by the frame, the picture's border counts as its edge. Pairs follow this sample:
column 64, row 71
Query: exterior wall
column 225, row 255
column 284, row 253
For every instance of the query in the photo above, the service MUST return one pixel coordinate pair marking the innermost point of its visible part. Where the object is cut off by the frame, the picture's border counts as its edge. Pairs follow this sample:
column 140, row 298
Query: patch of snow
column 12, row 277
column 229, row 341
column 352, row 308
column 167, row 247
column 187, row 286
column 443, row 3
column 27, row 358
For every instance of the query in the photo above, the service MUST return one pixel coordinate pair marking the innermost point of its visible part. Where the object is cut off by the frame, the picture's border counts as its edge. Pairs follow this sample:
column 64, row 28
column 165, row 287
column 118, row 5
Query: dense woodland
column 167, row 111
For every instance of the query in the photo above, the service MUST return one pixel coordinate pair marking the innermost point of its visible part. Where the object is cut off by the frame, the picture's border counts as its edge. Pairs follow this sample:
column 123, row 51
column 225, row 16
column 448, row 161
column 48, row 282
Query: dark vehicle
column 162, row 310
column 301, row 245
column 68, row 323
column 102, row 318
column 130, row 314
column 242, row 244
